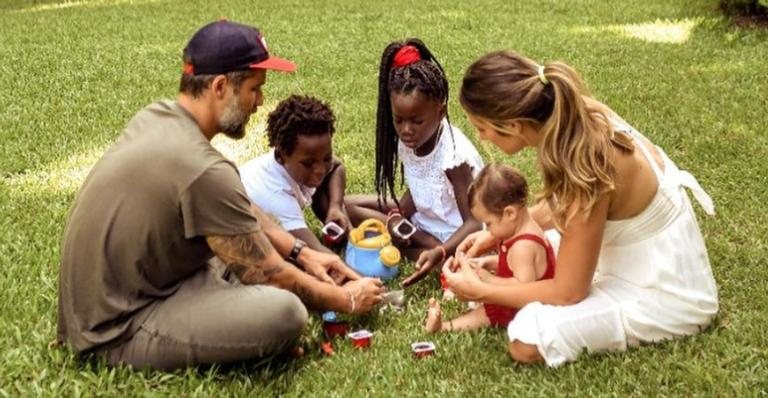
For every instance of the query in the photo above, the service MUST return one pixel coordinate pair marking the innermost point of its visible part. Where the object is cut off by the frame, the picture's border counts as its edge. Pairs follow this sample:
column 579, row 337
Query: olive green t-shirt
column 137, row 227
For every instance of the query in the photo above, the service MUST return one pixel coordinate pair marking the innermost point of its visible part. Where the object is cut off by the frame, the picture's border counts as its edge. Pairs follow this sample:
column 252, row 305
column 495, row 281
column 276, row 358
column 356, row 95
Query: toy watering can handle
column 372, row 225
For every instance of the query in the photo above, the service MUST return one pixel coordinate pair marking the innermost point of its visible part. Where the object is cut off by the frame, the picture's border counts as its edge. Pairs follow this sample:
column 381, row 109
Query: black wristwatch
column 298, row 244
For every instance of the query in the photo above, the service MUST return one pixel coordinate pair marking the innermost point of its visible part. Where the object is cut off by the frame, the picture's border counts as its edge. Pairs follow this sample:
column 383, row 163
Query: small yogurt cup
column 361, row 338
column 333, row 326
column 421, row 349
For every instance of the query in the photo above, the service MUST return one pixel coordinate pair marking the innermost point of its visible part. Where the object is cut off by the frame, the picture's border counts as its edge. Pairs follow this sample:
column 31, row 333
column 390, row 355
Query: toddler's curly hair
column 298, row 115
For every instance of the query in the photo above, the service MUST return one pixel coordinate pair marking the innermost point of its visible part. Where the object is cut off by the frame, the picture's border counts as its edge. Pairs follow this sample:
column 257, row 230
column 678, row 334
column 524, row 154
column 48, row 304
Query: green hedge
column 751, row 6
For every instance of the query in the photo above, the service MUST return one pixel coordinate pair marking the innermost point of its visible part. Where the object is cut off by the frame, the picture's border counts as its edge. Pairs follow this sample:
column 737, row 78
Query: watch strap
column 298, row 244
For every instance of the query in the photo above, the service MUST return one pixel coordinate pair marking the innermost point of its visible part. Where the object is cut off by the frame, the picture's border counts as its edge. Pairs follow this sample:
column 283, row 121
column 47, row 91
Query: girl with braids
column 632, row 265
column 438, row 161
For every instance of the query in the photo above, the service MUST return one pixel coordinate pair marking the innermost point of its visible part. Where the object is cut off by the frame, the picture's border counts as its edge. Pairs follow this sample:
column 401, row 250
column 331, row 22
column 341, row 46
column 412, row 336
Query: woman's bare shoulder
column 635, row 184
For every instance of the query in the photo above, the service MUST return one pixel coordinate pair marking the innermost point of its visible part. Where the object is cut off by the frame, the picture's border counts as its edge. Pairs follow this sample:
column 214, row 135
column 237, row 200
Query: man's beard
column 232, row 123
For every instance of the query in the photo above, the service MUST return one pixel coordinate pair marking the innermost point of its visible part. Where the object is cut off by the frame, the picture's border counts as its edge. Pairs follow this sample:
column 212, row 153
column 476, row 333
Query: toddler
column 498, row 198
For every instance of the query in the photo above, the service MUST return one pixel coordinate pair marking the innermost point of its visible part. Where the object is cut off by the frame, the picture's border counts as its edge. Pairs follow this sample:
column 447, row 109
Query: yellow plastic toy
column 370, row 250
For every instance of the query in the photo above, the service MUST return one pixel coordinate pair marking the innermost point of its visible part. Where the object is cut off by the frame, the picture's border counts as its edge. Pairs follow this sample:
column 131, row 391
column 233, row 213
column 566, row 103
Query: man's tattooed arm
column 249, row 256
column 253, row 259
column 310, row 298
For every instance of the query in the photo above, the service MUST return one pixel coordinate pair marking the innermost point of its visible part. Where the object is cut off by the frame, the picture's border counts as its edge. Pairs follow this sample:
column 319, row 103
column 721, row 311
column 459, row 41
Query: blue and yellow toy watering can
column 370, row 250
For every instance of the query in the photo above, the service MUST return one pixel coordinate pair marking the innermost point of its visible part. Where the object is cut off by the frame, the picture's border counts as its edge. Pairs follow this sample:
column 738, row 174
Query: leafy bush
column 745, row 6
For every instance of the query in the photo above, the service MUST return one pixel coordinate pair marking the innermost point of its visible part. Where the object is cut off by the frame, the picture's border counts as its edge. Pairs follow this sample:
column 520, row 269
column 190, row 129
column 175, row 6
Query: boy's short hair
column 498, row 186
column 298, row 115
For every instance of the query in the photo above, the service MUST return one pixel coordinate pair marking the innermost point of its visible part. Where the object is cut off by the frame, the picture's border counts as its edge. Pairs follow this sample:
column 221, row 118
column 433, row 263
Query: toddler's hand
column 476, row 244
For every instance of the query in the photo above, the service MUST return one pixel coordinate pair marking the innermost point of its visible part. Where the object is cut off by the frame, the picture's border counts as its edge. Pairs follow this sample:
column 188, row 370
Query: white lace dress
column 436, row 210
column 653, row 279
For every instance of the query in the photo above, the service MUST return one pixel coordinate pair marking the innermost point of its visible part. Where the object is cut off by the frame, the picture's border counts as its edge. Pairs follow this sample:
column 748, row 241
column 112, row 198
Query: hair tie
column 543, row 78
column 406, row 55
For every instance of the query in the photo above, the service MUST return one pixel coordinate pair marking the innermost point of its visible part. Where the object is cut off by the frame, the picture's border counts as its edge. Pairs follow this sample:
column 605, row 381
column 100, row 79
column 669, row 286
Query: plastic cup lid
column 423, row 346
column 360, row 334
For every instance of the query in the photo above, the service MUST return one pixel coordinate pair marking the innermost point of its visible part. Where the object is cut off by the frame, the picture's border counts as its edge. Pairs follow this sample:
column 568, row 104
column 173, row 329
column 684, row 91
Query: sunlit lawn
column 72, row 74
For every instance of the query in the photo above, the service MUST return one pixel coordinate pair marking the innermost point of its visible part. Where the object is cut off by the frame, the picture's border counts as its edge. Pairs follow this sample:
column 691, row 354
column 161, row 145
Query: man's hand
column 365, row 294
column 476, row 244
column 319, row 264
column 428, row 260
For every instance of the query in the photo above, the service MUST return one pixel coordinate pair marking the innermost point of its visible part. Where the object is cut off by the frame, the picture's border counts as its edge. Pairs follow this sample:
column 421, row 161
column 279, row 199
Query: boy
column 300, row 170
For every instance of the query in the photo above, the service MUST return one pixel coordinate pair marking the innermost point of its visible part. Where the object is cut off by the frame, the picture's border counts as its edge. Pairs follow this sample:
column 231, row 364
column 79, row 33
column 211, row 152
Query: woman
column 632, row 265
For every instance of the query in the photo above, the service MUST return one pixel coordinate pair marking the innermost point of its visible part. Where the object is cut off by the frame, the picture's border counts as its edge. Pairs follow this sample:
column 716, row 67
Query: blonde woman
column 632, row 265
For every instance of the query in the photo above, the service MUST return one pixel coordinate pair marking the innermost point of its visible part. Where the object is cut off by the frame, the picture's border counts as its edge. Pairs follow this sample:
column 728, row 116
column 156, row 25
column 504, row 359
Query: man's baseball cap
column 223, row 46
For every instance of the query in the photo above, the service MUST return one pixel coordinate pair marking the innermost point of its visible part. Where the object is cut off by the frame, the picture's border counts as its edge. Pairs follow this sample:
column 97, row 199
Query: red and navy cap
column 223, row 46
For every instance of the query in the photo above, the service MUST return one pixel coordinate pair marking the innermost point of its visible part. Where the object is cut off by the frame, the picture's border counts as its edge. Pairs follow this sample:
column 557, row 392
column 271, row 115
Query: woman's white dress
column 653, row 279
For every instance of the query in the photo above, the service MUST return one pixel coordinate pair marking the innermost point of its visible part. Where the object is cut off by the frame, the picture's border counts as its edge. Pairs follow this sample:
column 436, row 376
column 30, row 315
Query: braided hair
column 426, row 76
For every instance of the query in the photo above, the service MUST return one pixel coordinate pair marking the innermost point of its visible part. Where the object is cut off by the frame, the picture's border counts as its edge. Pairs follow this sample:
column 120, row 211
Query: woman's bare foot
column 434, row 321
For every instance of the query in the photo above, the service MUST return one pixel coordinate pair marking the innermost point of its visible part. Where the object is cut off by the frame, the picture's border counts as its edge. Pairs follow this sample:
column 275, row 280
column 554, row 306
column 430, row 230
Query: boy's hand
column 339, row 216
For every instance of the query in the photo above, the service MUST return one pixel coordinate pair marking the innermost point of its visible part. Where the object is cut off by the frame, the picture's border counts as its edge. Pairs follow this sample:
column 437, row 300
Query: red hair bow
column 406, row 55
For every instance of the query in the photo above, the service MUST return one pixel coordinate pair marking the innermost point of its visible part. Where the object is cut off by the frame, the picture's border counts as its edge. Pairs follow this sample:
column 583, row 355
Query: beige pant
column 210, row 320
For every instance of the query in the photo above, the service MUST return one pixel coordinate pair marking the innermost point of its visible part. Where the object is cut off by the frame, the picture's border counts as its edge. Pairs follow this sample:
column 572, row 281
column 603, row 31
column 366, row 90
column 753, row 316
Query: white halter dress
column 653, row 278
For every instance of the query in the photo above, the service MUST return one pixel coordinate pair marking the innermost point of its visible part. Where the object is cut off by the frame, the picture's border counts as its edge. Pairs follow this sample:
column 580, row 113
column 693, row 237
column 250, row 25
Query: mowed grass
column 72, row 74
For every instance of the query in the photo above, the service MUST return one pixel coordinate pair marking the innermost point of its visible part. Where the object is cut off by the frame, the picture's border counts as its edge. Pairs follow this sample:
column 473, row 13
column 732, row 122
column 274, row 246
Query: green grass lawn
column 72, row 75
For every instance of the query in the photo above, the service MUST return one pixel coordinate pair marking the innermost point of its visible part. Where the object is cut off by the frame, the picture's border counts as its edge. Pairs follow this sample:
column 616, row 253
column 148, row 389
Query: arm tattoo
column 309, row 297
column 244, row 255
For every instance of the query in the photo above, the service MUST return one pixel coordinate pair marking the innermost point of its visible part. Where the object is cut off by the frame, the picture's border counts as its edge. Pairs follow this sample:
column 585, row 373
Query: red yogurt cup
column 443, row 281
column 332, row 233
column 361, row 338
column 335, row 328
column 421, row 349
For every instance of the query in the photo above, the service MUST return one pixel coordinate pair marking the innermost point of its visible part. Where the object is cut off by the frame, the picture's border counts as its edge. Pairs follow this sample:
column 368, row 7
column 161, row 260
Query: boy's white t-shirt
column 272, row 189
column 436, row 209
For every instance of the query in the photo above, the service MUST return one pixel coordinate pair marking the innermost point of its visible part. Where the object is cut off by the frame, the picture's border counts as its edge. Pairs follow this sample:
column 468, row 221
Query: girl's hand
column 428, row 260
column 476, row 244
column 464, row 281
column 396, row 240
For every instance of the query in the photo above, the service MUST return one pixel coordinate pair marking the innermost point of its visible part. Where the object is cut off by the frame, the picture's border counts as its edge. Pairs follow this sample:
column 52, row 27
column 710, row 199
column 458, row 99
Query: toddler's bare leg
column 472, row 320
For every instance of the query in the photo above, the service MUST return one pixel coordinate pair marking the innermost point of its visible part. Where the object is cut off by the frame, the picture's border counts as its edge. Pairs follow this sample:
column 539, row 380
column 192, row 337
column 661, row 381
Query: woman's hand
column 319, row 264
column 476, row 244
column 364, row 294
column 428, row 260
column 463, row 279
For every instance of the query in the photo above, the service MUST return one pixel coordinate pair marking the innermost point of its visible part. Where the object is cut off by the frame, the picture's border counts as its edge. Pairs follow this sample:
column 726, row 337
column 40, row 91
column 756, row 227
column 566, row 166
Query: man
column 135, row 285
